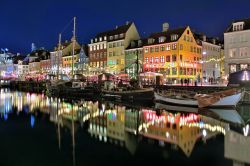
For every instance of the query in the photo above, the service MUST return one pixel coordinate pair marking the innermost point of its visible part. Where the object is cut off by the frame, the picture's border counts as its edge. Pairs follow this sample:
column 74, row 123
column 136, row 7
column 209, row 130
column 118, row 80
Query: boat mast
column 137, row 67
column 73, row 47
column 58, row 54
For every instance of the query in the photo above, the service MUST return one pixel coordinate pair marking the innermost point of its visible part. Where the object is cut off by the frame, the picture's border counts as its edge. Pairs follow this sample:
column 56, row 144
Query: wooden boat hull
column 228, row 101
column 136, row 95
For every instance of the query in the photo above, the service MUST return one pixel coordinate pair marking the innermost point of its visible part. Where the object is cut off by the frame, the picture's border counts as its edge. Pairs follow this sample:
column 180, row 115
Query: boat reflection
column 123, row 126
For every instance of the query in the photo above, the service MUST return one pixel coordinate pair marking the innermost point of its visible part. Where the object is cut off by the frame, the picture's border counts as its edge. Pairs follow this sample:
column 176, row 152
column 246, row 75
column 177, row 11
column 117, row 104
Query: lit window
column 232, row 68
column 174, row 46
column 146, row 50
column 168, row 47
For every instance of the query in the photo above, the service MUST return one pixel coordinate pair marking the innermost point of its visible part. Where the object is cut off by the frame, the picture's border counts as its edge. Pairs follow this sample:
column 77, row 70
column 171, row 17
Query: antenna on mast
column 58, row 54
column 73, row 47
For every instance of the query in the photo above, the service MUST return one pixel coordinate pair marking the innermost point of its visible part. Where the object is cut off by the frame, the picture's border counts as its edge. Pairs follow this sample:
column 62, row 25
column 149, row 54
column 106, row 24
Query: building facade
column 211, row 58
column 133, row 53
column 174, row 54
column 98, row 53
column 61, row 58
column 118, row 40
column 237, row 46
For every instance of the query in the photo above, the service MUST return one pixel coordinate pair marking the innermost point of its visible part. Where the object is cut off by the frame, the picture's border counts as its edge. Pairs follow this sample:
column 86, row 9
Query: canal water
column 39, row 130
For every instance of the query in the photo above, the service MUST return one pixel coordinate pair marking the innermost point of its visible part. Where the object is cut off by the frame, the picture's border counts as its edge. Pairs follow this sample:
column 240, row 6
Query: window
column 105, row 37
column 101, row 46
column 162, row 59
column 110, row 54
column 121, row 35
column 114, row 44
column 110, row 45
column 162, row 48
column 167, row 58
column 232, row 52
column 90, row 48
column 174, row 70
column 146, row 59
column 194, row 49
column 168, row 47
column 184, row 38
column 100, row 38
column 156, row 59
column 94, row 47
column 174, row 37
column 156, row 49
column 146, row 50
column 232, row 68
column 162, row 39
column 174, row 58
column 174, row 46
column 191, row 48
column 151, row 59
column 97, row 47
column 243, row 66
column 110, row 37
column 104, row 46
column 152, row 49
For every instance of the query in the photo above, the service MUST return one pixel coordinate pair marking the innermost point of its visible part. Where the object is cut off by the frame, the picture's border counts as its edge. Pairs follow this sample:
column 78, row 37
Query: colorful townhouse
column 97, row 50
column 107, row 49
column 175, row 54
column 61, row 58
column 118, row 40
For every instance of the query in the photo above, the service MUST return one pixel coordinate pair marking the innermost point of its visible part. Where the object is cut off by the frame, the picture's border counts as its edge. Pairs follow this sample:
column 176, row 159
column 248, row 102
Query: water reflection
column 124, row 126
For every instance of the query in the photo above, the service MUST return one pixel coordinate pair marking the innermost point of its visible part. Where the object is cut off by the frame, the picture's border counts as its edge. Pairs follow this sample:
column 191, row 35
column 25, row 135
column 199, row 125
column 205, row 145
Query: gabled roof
column 118, row 30
column 167, row 35
column 245, row 27
column 136, row 44
column 213, row 40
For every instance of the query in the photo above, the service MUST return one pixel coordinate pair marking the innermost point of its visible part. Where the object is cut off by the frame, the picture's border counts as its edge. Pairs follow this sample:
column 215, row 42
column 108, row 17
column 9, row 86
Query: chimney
column 165, row 27
column 204, row 38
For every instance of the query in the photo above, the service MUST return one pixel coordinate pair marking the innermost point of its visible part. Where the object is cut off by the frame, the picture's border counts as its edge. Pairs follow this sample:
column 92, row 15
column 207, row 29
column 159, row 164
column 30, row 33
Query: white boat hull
column 228, row 101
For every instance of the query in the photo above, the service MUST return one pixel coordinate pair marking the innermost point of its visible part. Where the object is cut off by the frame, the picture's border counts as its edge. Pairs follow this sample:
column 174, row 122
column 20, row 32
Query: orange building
column 175, row 54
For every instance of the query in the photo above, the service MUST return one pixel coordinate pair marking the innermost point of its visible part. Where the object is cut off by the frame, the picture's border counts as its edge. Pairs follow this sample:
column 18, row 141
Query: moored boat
column 142, row 94
column 228, row 98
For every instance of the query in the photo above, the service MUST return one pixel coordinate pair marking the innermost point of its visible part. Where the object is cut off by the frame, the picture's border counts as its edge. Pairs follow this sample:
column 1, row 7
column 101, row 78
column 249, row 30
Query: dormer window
column 162, row 39
column 121, row 35
column 105, row 37
column 100, row 39
column 110, row 37
column 150, row 41
column 91, row 40
column 239, row 26
column 174, row 37
column 95, row 39
column 116, row 36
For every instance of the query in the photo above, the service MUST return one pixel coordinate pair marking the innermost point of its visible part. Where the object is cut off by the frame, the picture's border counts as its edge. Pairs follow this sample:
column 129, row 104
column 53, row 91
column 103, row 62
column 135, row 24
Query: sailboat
column 131, row 94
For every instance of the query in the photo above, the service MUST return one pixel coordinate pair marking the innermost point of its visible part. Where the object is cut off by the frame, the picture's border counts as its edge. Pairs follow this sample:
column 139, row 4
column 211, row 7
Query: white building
column 23, row 69
column 237, row 46
column 211, row 58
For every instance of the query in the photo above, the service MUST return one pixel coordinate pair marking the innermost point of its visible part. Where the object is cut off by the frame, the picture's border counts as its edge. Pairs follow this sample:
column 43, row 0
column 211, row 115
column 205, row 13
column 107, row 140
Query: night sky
column 40, row 21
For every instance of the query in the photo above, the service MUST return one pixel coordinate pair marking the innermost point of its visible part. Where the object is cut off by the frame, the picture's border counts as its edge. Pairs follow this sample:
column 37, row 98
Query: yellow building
column 173, row 53
column 118, row 40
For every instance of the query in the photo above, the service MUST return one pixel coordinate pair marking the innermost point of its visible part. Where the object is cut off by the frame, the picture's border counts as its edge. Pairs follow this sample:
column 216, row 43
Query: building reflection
column 115, row 123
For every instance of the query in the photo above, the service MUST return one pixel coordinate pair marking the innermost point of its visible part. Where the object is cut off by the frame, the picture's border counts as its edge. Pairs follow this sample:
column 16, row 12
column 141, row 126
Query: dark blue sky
column 27, row 21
